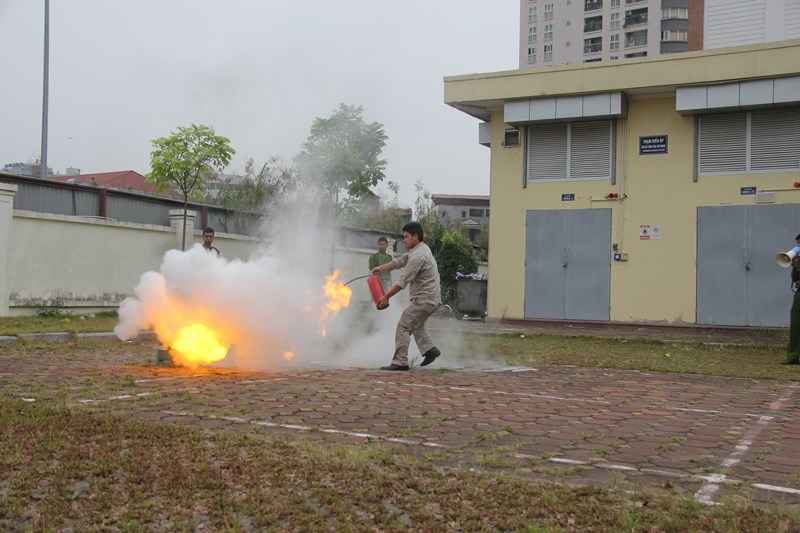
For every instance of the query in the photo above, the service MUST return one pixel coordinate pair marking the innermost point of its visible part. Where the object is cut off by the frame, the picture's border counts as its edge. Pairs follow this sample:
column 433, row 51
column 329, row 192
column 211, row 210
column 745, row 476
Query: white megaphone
column 784, row 259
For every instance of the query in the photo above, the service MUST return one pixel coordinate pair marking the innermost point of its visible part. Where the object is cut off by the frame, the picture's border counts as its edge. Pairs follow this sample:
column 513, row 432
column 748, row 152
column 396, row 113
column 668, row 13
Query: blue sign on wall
column 747, row 190
column 568, row 197
column 656, row 144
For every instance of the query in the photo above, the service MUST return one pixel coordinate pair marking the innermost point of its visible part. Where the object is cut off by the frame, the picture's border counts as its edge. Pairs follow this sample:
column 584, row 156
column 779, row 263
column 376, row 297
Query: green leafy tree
column 340, row 160
column 383, row 213
column 432, row 223
column 455, row 255
column 184, row 160
column 254, row 194
column 483, row 242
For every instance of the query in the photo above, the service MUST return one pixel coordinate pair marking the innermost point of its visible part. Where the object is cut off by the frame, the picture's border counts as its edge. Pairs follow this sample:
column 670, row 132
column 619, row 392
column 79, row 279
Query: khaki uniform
column 422, row 274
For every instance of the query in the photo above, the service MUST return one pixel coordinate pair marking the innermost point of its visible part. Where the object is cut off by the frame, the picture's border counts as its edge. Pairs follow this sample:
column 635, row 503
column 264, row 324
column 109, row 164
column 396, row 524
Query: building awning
column 751, row 94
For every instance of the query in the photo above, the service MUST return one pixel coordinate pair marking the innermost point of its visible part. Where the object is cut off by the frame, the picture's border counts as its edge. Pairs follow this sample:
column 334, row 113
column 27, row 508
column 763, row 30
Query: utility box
column 471, row 298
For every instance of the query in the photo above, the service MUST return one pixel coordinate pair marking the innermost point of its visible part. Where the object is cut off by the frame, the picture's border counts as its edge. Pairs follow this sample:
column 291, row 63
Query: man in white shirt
column 422, row 274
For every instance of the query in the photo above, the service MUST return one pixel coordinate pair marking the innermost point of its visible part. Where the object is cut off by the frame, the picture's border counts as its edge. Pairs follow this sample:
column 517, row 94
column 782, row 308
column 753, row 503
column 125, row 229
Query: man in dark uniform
column 793, row 352
column 381, row 258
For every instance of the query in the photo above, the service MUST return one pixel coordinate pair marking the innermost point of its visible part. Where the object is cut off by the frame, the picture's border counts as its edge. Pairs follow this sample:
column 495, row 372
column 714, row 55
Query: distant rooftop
column 460, row 199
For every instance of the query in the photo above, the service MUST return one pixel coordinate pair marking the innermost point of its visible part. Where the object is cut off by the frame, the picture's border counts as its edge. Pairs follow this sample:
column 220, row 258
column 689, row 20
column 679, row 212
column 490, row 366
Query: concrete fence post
column 7, row 192
column 176, row 221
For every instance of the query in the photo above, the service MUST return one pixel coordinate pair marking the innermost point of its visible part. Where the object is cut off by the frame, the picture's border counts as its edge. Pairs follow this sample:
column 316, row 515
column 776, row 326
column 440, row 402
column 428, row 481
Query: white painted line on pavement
column 484, row 391
column 299, row 427
column 567, row 461
column 715, row 411
column 147, row 380
column 707, row 492
column 120, row 397
column 775, row 488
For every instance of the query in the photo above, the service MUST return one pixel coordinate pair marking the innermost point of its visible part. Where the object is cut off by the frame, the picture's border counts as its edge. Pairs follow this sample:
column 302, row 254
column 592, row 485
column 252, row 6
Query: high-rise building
column 582, row 31
column 739, row 22
column 560, row 32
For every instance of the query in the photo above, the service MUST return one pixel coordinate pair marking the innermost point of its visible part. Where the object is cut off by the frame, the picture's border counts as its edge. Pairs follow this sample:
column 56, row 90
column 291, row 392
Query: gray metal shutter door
column 775, row 139
column 545, row 275
column 547, row 152
column 721, row 256
column 588, row 284
column 590, row 150
column 723, row 143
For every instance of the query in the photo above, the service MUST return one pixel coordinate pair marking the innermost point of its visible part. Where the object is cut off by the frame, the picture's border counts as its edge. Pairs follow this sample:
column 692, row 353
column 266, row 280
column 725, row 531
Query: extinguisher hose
column 358, row 278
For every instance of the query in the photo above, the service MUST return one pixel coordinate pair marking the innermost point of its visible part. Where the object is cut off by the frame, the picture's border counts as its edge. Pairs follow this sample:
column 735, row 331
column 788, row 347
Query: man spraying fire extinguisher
column 421, row 273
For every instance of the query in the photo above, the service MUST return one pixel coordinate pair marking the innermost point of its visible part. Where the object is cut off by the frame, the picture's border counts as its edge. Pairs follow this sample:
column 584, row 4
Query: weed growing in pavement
column 630, row 520
column 492, row 460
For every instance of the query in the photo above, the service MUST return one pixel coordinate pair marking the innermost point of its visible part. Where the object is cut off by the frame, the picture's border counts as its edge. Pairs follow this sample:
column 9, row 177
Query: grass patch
column 66, row 469
column 752, row 361
column 57, row 322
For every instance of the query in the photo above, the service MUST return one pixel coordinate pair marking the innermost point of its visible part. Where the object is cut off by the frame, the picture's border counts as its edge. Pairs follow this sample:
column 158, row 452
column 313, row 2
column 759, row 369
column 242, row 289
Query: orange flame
column 338, row 292
column 288, row 356
column 198, row 344
column 338, row 298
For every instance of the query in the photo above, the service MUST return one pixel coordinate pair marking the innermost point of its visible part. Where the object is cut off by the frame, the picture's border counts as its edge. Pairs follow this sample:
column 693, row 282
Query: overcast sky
column 124, row 72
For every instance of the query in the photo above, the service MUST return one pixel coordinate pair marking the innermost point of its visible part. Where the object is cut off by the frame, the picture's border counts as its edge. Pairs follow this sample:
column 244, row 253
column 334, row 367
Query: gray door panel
column 738, row 281
column 772, row 230
column 568, row 264
column 545, row 275
column 589, row 269
column 721, row 256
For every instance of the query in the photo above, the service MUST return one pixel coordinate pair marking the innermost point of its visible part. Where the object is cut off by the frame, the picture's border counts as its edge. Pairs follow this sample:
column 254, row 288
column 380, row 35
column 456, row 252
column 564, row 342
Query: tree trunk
column 185, row 209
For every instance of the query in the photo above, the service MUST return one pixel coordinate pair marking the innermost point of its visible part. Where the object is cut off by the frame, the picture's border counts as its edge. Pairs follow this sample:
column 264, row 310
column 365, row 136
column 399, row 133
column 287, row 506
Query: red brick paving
column 576, row 425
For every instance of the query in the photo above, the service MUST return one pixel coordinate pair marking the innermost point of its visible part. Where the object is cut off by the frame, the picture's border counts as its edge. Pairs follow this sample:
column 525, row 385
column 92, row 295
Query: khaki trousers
column 412, row 322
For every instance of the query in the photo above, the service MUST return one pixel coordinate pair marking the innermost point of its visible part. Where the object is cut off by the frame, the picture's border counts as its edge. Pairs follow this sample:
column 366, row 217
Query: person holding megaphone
column 793, row 352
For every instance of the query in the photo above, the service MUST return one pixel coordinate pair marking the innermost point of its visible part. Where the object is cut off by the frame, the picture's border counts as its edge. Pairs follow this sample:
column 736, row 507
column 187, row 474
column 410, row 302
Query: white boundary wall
column 85, row 264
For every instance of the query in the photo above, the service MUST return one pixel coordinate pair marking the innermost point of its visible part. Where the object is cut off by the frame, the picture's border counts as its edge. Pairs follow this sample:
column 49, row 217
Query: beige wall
column 658, row 282
column 92, row 264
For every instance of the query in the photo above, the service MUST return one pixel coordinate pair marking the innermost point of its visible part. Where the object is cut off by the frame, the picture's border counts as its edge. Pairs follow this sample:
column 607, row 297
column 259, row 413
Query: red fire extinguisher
column 376, row 288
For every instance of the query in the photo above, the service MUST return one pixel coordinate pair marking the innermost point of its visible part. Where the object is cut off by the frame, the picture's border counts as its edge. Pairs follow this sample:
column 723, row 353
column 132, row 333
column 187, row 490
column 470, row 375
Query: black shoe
column 430, row 356
column 395, row 367
column 791, row 362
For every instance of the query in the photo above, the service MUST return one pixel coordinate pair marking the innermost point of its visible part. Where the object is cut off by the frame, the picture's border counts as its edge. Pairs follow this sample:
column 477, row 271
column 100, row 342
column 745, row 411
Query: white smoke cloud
column 265, row 306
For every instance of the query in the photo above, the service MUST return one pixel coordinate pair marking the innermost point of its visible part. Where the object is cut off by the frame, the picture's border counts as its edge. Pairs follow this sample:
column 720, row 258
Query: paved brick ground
column 710, row 437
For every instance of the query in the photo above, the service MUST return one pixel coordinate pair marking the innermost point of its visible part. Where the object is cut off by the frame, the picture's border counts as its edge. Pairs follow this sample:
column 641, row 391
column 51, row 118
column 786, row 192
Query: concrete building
column 123, row 180
column 739, row 22
column 469, row 211
column 585, row 31
column 461, row 207
column 651, row 190
column 565, row 32
column 24, row 169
